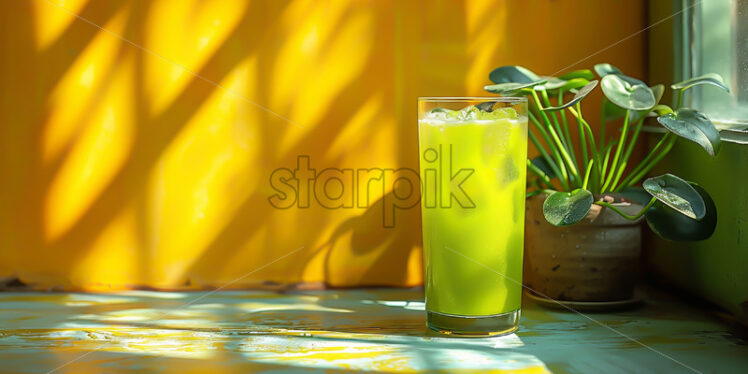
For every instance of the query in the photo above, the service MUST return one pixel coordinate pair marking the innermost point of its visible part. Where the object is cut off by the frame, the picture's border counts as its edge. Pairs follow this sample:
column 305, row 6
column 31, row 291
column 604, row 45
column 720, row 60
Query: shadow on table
column 397, row 312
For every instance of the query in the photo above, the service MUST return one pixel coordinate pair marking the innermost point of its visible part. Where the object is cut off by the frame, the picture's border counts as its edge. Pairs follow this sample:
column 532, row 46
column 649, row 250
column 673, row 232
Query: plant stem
column 562, row 114
column 648, row 164
column 587, row 174
column 630, row 178
column 547, row 103
column 605, row 160
column 582, row 140
column 603, row 121
column 578, row 115
column 565, row 135
column 543, row 176
column 557, row 166
column 627, row 154
column 593, row 147
column 538, row 192
column 573, row 173
column 559, row 102
column 680, row 100
column 543, row 152
column 619, row 149
column 624, row 215
column 532, row 193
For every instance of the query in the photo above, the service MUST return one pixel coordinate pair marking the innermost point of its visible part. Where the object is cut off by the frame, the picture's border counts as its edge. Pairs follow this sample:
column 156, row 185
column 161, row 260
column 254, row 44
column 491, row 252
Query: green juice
column 473, row 252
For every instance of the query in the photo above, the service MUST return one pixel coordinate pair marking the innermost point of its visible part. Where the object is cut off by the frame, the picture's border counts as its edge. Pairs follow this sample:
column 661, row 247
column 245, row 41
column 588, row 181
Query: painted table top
column 373, row 329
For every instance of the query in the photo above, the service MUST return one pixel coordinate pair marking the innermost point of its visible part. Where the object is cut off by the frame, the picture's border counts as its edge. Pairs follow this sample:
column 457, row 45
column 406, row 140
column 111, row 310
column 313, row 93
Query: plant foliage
column 674, row 208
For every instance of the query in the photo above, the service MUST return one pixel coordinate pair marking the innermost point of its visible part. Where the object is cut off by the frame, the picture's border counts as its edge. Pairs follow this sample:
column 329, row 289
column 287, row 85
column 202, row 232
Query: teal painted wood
column 381, row 330
column 714, row 269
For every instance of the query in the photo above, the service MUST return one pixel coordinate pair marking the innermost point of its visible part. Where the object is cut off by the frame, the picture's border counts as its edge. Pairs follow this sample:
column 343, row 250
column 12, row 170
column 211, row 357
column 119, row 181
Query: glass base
column 491, row 325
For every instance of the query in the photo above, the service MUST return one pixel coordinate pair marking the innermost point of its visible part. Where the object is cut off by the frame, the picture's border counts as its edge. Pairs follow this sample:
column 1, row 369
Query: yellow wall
column 124, row 166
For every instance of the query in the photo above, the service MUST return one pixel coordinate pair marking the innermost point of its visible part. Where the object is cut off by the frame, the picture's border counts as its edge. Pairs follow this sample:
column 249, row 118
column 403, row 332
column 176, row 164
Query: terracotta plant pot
column 593, row 260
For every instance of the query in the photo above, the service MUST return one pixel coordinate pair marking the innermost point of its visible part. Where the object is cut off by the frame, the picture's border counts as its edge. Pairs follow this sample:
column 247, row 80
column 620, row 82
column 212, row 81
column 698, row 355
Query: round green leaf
column 694, row 126
column 662, row 109
column 575, row 84
column 582, row 73
column 552, row 83
column 627, row 92
column 511, row 88
column 671, row 225
column 567, row 208
column 677, row 194
column 511, row 73
column 614, row 112
column 658, row 91
column 636, row 194
column 584, row 91
column 713, row 79
column 605, row 69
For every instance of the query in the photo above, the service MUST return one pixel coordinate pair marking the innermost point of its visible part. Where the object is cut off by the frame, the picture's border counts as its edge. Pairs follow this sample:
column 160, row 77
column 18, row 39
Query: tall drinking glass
column 473, row 154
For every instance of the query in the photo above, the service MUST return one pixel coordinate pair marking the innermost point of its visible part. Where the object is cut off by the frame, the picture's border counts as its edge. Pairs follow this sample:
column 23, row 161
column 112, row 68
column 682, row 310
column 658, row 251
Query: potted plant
column 583, row 232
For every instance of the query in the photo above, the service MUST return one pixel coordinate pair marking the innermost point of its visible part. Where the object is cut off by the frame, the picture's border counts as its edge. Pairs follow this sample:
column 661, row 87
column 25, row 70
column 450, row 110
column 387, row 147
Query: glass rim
column 441, row 99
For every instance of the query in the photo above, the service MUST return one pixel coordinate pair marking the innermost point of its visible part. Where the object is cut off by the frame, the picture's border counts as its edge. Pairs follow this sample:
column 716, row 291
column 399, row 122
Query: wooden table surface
column 326, row 331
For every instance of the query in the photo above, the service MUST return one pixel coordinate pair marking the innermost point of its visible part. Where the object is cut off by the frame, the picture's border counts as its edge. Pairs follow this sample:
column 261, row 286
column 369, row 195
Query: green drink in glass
column 473, row 154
